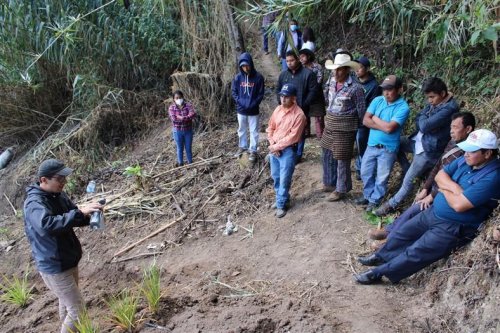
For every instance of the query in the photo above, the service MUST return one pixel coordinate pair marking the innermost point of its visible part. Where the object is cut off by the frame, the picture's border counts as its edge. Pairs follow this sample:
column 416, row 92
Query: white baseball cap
column 479, row 139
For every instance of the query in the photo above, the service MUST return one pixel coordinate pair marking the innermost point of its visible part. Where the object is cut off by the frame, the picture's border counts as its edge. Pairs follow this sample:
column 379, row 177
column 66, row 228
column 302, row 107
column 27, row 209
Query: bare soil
column 289, row 275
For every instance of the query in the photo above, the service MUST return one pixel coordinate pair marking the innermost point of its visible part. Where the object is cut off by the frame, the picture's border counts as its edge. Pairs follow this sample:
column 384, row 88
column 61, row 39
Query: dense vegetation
column 61, row 58
column 456, row 40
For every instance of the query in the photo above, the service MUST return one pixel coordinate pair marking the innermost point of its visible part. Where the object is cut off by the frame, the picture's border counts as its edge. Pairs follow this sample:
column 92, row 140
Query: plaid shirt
column 443, row 161
column 182, row 117
column 348, row 100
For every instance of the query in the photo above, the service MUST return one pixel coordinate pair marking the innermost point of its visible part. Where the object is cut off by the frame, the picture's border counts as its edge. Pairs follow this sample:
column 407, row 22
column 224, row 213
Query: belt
column 379, row 146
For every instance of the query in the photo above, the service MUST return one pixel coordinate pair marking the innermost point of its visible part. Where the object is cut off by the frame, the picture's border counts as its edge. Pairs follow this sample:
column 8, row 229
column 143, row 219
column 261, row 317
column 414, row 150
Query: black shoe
column 371, row 260
column 367, row 277
column 361, row 201
column 371, row 207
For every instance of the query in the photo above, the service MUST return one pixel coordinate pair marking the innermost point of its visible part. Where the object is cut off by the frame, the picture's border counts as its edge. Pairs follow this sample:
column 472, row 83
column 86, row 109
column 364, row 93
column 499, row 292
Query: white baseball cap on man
column 479, row 139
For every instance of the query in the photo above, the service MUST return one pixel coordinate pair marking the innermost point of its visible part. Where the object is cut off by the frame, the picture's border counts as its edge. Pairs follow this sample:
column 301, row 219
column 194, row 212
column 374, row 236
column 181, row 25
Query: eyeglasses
column 59, row 179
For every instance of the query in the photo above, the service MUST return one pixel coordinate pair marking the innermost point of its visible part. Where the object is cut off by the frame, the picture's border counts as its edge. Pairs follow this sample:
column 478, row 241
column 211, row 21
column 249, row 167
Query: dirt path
column 290, row 275
column 293, row 275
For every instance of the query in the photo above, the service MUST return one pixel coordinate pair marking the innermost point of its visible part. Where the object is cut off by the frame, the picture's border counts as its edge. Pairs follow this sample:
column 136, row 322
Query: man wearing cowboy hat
column 317, row 108
column 346, row 108
column 285, row 129
column 469, row 190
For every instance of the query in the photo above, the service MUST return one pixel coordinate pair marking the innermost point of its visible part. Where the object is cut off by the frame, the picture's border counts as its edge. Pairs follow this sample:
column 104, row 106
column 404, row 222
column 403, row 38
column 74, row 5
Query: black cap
column 53, row 167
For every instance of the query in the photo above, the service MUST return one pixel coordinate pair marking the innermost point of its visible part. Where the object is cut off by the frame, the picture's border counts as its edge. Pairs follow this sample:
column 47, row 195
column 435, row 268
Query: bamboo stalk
column 154, row 233
column 11, row 205
column 207, row 161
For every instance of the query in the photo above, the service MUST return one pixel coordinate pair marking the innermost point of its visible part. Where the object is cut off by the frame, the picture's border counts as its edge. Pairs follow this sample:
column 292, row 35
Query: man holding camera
column 49, row 219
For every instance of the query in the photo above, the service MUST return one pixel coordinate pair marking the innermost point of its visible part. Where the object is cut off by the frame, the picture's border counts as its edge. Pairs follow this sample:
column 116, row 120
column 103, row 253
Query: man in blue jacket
column 427, row 142
column 469, row 190
column 248, row 91
column 49, row 219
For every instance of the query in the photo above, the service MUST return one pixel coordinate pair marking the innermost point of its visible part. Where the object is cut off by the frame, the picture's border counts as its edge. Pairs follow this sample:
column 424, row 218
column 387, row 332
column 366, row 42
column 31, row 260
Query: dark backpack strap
column 490, row 167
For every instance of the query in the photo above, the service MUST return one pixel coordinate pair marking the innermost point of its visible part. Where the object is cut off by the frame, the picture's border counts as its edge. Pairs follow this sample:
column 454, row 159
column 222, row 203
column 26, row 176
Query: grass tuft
column 150, row 287
column 123, row 310
column 16, row 291
column 85, row 324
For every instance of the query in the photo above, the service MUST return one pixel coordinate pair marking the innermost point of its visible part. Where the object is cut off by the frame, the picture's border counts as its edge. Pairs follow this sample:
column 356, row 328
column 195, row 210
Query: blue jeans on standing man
column 282, row 168
column 361, row 144
column 183, row 140
column 251, row 124
column 375, row 170
column 420, row 164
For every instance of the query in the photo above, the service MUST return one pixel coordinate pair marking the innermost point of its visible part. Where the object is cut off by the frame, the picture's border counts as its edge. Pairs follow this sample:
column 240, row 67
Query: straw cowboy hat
column 341, row 60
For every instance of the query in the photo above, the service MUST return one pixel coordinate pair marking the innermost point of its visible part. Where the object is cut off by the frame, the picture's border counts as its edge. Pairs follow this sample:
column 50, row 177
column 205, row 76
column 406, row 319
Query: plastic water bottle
column 97, row 218
column 5, row 157
column 91, row 187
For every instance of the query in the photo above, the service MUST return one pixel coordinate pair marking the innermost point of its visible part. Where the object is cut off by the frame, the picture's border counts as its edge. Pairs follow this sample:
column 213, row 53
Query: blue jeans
column 419, row 242
column 420, row 164
column 183, row 139
column 251, row 124
column 361, row 144
column 265, row 38
column 375, row 170
column 300, row 145
column 282, row 168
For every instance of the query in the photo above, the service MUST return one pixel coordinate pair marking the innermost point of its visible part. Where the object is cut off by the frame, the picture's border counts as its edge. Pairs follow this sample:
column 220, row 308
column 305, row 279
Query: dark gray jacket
column 306, row 83
column 49, row 219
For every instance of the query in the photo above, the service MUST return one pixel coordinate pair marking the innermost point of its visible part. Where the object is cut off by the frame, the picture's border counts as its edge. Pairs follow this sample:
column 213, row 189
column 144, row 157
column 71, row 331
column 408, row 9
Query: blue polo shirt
column 397, row 111
column 484, row 195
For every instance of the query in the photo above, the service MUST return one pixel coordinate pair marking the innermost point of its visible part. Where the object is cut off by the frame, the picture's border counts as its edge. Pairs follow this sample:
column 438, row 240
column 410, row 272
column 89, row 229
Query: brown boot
column 336, row 196
column 328, row 189
column 377, row 234
column 377, row 244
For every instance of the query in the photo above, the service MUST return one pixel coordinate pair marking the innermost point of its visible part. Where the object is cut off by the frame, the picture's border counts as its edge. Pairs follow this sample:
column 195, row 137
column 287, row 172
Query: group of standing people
column 459, row 194
column 461, row 191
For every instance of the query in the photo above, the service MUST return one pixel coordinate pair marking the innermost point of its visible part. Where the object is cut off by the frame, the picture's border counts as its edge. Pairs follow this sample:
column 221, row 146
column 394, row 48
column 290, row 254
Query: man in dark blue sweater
column 248, row 91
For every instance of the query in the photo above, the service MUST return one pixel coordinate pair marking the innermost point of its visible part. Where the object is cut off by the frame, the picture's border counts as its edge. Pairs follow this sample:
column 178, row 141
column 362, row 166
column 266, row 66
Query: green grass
column 16, row 291
column 150, row 287
column 123, row 310
column 85, row 324
column 375, row 220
